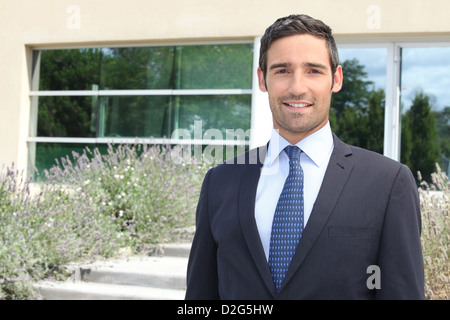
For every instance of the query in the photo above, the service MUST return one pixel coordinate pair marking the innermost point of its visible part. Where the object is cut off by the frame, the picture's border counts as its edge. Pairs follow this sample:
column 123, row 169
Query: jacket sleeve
column 202, row 280
column 400, row 255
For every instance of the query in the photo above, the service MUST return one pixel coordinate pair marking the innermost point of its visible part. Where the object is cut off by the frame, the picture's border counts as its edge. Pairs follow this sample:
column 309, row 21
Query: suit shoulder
column 375, row 161
column 367, row 159
column 373, row 156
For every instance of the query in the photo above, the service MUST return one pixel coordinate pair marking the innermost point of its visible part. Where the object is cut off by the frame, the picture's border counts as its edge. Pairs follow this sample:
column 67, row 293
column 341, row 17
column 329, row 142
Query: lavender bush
column 140, row 188
column 91, row 205
column 435, row 207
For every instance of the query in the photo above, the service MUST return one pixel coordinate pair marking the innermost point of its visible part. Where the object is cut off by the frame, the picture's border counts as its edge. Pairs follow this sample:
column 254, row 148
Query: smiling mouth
column 298, row 105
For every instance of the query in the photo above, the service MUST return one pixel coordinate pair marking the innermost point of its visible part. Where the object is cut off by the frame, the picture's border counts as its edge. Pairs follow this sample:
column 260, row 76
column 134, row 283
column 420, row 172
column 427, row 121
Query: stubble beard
column 297, row 122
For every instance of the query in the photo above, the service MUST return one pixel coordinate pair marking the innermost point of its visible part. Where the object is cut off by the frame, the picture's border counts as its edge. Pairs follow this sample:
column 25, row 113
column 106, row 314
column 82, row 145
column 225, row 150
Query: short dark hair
column 295, row 25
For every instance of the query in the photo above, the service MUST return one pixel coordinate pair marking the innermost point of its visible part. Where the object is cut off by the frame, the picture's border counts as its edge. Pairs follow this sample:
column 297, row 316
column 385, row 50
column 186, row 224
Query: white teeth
column 298, row 105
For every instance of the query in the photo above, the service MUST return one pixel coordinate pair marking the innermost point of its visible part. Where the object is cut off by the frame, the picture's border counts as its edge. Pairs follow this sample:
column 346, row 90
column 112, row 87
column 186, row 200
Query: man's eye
column 282, row 71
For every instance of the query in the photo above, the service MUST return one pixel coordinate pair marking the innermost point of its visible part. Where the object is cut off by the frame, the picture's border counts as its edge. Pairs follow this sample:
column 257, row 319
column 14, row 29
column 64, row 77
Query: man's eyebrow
column 280, row 65
column 315, row 65
column 305, row 64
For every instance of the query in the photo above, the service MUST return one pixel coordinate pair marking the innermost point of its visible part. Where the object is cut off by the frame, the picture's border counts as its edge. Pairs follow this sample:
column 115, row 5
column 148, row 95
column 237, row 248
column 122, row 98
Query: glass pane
column 67, row 116
column 159, row 116
column 425, row 105
column 137, row 68
column 214, row 66
column 357, row 111
column 166, row 67
column 135, row 116
column 214, row 112
column 74, row 69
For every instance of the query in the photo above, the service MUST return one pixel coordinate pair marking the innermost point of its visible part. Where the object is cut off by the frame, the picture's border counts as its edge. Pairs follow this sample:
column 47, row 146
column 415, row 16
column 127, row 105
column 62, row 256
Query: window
column 425, row 108
column 97, row 95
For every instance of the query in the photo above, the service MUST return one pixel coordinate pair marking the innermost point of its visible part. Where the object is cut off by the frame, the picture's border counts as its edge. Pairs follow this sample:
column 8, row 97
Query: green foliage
column 443, row 127
column 356, row 88
column 357, row 113
column 420, row 144
column 91, row 205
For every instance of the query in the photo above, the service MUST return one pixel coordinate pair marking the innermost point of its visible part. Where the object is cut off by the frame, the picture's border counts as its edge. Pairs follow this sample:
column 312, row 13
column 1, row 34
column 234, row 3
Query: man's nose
column 297, row 85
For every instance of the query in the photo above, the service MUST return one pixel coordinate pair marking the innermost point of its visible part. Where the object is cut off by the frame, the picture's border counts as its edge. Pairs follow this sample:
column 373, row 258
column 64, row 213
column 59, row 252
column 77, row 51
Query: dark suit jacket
column 366, row 213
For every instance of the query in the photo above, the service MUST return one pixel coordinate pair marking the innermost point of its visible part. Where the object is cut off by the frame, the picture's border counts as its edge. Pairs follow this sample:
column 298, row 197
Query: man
column 314, row 218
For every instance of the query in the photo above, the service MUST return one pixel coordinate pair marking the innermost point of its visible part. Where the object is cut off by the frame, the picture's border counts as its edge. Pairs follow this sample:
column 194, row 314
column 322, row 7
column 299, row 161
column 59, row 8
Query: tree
column 420, row 146
column 375, row 127
column 443, row 128
column 356, row 89
column 357, row 113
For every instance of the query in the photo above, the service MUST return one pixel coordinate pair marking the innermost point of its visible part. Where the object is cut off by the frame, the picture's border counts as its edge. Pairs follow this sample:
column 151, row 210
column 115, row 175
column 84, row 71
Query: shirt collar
column 316, row 146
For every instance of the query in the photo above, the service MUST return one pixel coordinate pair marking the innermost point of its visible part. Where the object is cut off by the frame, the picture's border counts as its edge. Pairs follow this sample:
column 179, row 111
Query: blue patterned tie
column 287, row 226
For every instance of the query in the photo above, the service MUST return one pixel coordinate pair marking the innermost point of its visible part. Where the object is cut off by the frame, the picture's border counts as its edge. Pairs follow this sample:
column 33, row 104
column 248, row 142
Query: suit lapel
column 247, row 196
column 336, row 175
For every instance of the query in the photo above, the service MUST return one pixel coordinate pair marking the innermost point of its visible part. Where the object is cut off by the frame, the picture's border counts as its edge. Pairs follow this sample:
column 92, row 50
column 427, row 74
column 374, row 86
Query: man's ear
column 261, row 80
column 338, row 79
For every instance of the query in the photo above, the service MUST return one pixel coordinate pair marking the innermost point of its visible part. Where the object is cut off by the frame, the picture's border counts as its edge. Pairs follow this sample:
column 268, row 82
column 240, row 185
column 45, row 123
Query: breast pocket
column 350, row 243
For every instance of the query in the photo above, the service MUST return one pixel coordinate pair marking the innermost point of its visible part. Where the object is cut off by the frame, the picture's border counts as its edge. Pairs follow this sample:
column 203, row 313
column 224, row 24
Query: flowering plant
column 91, row 205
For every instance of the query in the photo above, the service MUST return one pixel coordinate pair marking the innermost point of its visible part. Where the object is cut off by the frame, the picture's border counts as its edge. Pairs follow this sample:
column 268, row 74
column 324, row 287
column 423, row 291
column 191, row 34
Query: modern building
column 79, row 73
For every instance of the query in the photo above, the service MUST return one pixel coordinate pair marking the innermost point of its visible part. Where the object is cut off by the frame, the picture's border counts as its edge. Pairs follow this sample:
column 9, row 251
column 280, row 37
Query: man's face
column 299, row 81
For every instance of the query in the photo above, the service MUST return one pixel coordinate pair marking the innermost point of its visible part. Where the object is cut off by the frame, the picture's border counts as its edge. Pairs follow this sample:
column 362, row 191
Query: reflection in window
column 357, row 111
column 96, row 113
column 72, row 69
column 137, row 68
column 159, row 116
column 425, row 105
column 166, row 67
column 218, row 112
column 134, row 116
column 67, row 116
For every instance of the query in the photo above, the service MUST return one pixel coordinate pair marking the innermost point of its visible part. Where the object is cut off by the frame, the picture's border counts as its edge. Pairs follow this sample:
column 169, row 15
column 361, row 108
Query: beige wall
column 34, row 23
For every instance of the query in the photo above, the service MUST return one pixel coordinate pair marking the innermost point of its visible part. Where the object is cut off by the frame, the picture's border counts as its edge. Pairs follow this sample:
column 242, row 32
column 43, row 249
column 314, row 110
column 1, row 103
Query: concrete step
column 158, row 272
column 174, row 249
column 53, row 290
column 158, row 277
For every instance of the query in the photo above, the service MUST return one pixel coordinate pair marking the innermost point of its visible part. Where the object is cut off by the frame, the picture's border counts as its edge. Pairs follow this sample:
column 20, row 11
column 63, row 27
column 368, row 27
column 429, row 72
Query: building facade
column 79, row 73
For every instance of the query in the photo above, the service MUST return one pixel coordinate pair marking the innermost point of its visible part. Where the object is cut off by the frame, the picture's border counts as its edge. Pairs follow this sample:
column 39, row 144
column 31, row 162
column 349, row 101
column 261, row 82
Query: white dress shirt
column 317, row 149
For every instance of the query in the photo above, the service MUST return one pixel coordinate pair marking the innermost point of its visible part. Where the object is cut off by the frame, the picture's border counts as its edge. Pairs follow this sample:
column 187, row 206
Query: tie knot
column 293, row 152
